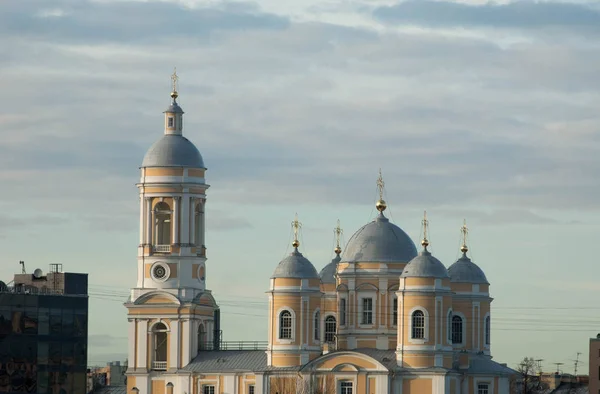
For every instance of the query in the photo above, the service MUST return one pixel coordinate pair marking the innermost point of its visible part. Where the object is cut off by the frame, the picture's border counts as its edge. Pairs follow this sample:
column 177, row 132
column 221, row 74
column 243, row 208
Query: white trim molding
column 425, row 339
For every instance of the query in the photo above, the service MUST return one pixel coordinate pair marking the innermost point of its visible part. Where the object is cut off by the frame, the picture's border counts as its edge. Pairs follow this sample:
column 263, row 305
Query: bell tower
column 171, row 314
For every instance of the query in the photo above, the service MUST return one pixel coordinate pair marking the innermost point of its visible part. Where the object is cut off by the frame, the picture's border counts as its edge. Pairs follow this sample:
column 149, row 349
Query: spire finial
column 380, row 205
column 464, row 230
column 425, row 222
column 338, row 234
column 296, row 225
column 174, row 80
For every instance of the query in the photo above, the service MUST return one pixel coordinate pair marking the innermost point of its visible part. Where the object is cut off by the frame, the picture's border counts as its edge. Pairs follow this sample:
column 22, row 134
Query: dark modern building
column 44, row 333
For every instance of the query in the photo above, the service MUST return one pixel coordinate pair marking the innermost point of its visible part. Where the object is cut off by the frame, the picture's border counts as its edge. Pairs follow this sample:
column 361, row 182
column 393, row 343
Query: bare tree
column 303, row 384
column 529, row 381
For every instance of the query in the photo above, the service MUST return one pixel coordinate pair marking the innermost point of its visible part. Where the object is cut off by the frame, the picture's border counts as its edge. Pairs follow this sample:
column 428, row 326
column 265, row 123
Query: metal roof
column 380, row 241
column 465, row 271
column 232, row 361
column 425, row 266
column 327, row 274
column 173, row 150
column 295, row 266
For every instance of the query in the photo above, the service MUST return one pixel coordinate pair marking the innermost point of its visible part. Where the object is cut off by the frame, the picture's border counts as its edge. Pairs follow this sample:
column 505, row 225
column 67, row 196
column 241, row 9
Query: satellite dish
column 38, row 273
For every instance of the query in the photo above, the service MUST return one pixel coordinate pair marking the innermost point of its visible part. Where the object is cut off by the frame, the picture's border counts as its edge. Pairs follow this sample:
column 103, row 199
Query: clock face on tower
column 160, row 272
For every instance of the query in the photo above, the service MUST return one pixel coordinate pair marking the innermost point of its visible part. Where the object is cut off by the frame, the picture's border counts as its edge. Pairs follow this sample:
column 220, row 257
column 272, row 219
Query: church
column 383, row 317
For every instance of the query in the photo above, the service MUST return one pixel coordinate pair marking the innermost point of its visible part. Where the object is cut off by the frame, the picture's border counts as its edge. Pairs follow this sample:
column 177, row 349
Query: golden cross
column 464, row 230
column 174, row 78
column 380, row 185
column 338, row 233
column 425, row 223
column 296, row 225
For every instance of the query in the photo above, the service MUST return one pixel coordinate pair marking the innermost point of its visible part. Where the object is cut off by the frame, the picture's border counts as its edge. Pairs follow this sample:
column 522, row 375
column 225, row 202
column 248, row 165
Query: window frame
column 170, row 122
column 344, row 390
column 394, row 311
column 484, row 388
column 251, row 389
column 343, row 309
column 449, row 316
column 293, row 325
column 208, row 386
column 325, row 330
column 425, row 326
column 317, row 326
column 457, row 329
column 487, row 330
column 361, row 310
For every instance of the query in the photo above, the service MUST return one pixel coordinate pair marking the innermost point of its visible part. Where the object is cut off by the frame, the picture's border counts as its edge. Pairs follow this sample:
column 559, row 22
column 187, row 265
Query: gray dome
column 173, row 150
column 380, row 241
column 466, row 271
column 174, row 108
column 295, row 266
column 425, row 266
column 327, row 274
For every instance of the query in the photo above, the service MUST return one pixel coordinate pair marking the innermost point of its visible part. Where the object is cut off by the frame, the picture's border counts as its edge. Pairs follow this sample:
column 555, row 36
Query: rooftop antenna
column 577, row 362
column 539, row 364
column 22, row 267
column 558, row 367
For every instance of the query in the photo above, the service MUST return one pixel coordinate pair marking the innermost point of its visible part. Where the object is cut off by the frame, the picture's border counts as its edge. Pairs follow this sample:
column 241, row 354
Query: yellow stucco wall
column 416, row 386
column 158, row 387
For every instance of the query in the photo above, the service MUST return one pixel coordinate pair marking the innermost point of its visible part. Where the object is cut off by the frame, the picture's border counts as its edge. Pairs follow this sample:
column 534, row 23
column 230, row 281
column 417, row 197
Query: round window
column 159, row 272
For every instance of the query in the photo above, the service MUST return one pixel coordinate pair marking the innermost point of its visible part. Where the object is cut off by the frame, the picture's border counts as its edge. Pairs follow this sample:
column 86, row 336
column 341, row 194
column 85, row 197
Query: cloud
column 518, row 14
column 130, row 21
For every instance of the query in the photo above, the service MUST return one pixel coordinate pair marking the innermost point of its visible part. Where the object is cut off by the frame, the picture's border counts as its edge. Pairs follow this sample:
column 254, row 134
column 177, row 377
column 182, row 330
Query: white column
column 193, row 220
column 202, row 229
column 176, row 213
column 185, row 336
column 142, row 348
column 132, row 343
column 174, row 344
column 148, row 220
column 142, row 212
column 184, row 236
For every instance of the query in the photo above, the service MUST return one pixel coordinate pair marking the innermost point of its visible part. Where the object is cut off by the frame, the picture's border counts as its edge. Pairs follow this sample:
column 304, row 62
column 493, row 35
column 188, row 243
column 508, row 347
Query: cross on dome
column 380, row 205
column 296, row 225
column 174, row 80
column 464, row 231
column 425, row 223
column 338, row 233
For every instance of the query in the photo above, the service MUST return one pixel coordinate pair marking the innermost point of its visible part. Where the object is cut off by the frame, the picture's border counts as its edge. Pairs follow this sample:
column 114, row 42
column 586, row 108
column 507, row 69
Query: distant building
column 44, row 333
column 380, row 318
column 113, row 374
column 594, row 364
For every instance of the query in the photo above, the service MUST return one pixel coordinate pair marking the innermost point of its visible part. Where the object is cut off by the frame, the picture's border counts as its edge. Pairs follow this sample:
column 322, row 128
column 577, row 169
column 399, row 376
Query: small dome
column 466, row 271
column 425, row 266
column 327, row 274
column 173, row 150
column 295, row 266
column 380, row 241
column 174, row 108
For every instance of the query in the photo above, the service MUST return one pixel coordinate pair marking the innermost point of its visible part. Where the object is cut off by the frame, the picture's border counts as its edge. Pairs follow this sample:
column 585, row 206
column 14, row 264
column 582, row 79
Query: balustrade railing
column 162, row 248
column 159, row 365
column 235, row 345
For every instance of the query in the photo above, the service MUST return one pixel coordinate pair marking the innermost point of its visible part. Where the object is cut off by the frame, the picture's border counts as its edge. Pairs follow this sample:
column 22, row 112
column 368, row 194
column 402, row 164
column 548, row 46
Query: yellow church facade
column 381, row 318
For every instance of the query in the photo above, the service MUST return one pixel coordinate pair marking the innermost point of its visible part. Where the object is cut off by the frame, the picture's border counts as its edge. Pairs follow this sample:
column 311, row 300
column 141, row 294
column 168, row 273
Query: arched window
column 162, row 221
column 487, row 330
column 285, row 325
column 330, row 329
column 317, row 326
column 449, row 326
column 197, row 224
column 160, row 332
column 201, row 337
column 418, row 325
column 457, row 329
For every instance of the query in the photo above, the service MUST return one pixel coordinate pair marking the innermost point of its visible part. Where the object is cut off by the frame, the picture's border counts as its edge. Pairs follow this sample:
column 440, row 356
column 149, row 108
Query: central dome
column 380, row 241
column 173, row 150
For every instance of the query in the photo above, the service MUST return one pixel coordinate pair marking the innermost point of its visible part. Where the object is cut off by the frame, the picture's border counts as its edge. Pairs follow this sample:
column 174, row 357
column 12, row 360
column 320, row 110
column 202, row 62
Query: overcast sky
column 481, row 111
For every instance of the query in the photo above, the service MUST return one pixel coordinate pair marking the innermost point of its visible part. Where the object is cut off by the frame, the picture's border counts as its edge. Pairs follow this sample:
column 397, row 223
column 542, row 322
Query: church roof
column 232, row 361
column 424, row 266
column 295, row 266
column 380, row 241
column 327, row 274
column 173, row 150
column 484, row 365
column 465, row 271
